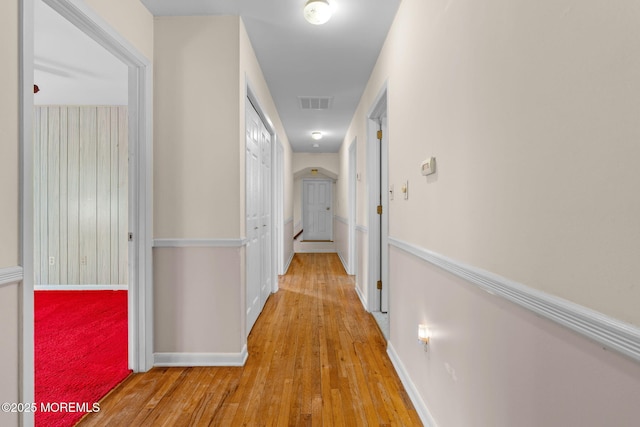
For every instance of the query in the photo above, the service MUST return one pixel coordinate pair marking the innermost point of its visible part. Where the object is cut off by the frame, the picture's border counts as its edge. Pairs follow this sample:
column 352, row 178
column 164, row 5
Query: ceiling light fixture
column 316, row 135
column 317, row 12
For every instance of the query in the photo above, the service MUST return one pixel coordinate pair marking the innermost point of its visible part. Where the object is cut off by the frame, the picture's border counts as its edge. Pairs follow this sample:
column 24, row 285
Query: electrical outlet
column 52, row 260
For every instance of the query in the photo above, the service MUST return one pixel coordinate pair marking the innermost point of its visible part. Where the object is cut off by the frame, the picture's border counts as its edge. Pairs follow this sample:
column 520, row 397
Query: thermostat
column 428, row 166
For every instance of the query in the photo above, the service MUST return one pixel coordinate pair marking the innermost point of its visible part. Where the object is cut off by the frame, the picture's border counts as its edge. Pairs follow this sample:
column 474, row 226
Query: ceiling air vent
column 315, row 102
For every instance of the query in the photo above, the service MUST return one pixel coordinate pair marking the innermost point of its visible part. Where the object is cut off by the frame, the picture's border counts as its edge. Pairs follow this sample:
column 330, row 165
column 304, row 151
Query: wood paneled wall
column 81, row 169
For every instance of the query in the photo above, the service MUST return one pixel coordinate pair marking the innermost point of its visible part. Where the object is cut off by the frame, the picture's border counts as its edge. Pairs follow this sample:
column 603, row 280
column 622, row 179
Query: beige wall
column 9, row 135
column 202, row 65
column 195, row 126
column 196, row 300
column 131, row 19
column 9, row 221
column 518, row 119
column 531, row 112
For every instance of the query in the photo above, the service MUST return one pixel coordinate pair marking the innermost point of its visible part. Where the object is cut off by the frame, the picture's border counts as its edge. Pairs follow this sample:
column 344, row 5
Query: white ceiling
column 72, row 69
column 300, row 59
column 297, row 59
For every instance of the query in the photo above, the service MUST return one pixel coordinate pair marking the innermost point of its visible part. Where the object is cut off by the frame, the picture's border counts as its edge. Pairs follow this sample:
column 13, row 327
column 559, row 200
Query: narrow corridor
column 316, row 357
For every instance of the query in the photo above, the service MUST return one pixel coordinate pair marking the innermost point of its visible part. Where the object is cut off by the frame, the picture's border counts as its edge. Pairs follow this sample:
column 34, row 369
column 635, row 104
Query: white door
column 258, row 215
column 317, row 199
column 265, row 215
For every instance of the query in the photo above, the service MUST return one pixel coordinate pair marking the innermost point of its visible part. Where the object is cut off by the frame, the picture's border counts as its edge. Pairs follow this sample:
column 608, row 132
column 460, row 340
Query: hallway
column 315, row 358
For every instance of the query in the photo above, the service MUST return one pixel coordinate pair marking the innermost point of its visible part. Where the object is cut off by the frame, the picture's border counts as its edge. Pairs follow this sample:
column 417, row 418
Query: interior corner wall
column 196, row 187
column 10, row 309
column 517, row 101
column 196, row 165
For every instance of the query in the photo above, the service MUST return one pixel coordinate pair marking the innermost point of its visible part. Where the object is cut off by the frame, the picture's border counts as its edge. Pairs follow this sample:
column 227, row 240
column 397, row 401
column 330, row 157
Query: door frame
column 277, row 196
column 377, row 183
column 353, row 188
column 140, row 298
column 304, row 203
column 278, row 170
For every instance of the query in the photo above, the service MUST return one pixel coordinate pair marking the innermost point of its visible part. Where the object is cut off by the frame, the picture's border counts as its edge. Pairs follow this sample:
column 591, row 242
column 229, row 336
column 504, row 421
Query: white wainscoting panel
column 610, row 332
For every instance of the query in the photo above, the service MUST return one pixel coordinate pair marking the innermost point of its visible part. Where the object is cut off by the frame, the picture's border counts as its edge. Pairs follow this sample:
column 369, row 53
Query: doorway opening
column 263, row 201
column 137, row 267
column 378, row 204
column 81, row 211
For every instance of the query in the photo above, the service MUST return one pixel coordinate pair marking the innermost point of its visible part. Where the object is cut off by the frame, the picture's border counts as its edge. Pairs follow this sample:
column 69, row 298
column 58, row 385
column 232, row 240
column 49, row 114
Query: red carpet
column 80, row 351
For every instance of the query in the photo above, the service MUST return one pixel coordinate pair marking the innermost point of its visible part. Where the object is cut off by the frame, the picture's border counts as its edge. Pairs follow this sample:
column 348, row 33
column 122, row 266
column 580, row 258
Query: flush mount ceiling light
column 317, row 12
column 316, row 135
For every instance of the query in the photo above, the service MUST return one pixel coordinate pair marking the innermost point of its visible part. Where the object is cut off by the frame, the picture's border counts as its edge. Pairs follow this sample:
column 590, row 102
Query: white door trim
column 278, row 170
column 250, row 96
column 378, row 259
column 140, row 182
column 353, row 165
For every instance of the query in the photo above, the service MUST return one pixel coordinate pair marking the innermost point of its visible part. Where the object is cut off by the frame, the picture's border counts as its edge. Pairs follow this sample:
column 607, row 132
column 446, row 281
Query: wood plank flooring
column 316, row 358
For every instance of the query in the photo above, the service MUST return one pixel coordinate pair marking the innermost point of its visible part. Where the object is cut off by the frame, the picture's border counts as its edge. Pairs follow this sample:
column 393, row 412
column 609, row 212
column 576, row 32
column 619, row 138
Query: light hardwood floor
column 316, row 358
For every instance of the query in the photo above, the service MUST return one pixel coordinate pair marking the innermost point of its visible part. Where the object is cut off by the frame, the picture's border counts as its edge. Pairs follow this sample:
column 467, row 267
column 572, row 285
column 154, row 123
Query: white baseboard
column 316, row 251
column 361, row 298
column 288, row 263
column 201, row 359
column 344, row 263
column 412, row 391
column 80, row 287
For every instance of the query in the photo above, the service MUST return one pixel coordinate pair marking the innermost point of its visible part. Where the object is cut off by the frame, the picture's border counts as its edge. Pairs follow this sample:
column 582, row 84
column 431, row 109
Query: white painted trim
column 377, row 182
column 344, row 263
column 317, row 251
column 288, row 263
column 201, row 359
column 26, row 351
column 605, row 330
column 199, row 243
column 10, row 275
column 410, row 387
column 288, row 220
column 140, row 297
column 80, row 288
column 352, row 185
column 361, row 297
column 362, row 229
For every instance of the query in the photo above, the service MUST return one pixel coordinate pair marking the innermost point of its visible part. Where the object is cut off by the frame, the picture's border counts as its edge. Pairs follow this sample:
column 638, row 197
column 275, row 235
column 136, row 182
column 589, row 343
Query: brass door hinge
column 379, row 284
column 379, row 209
column 380, row 135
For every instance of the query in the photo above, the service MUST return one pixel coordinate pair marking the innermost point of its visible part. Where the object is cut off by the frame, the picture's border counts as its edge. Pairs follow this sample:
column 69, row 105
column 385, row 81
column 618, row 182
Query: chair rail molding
column 11, row 275
column 199, row 243
column 607, row 331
